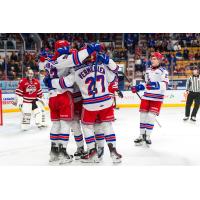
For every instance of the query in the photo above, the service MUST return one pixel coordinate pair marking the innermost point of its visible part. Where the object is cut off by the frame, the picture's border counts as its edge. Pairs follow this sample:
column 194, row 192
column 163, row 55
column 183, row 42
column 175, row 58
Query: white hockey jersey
column 156, row 75
column 76, row 93
column 84, row 77
column 61, row 68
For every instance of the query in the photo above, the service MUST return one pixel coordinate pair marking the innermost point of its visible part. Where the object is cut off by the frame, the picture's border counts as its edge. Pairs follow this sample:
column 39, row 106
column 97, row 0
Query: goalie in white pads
column 28, row 93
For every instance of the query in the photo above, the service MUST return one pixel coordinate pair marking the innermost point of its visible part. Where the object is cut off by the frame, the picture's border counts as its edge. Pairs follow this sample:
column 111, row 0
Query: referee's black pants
column 192, row 97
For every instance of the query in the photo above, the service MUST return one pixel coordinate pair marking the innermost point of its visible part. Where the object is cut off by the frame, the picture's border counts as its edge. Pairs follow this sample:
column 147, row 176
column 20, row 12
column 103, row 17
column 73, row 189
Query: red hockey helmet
column 61, row 44
column 158, row 55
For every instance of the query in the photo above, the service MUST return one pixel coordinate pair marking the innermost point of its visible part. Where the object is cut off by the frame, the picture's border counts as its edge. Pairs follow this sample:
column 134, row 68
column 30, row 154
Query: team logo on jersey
column 31, row 89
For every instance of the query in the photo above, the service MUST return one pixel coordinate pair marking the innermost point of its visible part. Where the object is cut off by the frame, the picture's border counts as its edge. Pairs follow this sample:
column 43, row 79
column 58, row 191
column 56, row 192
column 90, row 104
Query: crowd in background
column 17, row 67
column 16, row 64
column 174, row 47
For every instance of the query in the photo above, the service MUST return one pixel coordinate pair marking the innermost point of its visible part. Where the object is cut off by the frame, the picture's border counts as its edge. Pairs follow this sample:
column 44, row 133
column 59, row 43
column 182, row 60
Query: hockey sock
column 78, row 136
column 109, row 133
column 100, row 139
column 88, row 131
column 99, row 135
column 64, row 132
column 54, row 133
column 151, row 117
column 143, row 120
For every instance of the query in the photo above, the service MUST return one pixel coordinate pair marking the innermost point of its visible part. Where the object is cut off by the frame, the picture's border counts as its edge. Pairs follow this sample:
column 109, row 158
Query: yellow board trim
column 16, row 110
column 118, row 105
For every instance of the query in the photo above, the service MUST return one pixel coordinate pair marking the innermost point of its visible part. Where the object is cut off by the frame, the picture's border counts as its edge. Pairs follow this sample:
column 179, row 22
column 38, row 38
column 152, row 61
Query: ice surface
column 176, row 143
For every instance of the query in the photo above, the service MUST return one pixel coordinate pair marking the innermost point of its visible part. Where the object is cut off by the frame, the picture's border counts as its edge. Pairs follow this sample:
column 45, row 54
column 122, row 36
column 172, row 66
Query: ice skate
column 40, row 126
column 143, row 140
column 79, row 152
column 90, row 157
column 64, row 157
column 53, row 153
column 193, row 119
column 100, row 153
column 139, row 141
column 185, row 118
column 116, row 157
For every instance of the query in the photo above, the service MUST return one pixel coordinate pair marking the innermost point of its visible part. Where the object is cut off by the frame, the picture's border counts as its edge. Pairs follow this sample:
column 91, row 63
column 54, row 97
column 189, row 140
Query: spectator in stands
column 151, row 43
column 186, row 53
column 13, row 56
column 197, row 55
column 1, row 74
column 170, row 46
column 12, row 73
column 179, row 55
column 177, row 47
column 191, row 56
column 1, row 61
column 138, row 64
column 129, row 42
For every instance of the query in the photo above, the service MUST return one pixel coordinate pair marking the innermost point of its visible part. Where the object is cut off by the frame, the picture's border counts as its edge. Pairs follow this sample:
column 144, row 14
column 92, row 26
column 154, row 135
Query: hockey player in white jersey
column 61, row 101
column 156, row 82
column 93, row 80
column 76, row 125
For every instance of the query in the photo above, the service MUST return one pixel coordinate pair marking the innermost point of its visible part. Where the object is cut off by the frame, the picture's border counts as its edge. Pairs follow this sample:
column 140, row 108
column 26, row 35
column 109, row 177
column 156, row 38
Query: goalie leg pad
column 26, row 115
column 38, row 116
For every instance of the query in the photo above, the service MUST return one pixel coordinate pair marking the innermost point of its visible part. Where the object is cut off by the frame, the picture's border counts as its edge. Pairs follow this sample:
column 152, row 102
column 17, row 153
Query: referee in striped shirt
column 193, row 91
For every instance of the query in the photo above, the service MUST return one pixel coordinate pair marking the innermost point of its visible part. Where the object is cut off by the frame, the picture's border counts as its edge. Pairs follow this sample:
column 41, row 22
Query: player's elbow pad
column 112, row 66
column 62, row 83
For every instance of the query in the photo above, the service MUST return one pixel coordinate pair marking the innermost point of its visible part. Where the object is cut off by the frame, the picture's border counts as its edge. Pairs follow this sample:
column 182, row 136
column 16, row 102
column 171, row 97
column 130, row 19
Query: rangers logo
column 31, row 89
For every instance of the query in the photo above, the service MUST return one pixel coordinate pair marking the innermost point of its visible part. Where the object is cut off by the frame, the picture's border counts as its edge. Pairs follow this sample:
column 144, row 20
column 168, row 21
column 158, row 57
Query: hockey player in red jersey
column 28, row 93
column 156, row 81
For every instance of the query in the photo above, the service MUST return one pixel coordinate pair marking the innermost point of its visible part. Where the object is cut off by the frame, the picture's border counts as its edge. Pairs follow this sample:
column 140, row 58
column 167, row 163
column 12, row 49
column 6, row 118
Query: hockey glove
column 103, row 58
column 113, row 87
column 94, row 47
column 153, row 86
column 47, row 82
column 120, row 94
column 63, row 50
column 137, row 88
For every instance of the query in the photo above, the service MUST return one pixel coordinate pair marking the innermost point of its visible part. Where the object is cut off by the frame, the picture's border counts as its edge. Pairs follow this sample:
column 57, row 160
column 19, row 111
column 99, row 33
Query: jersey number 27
column 91, row 84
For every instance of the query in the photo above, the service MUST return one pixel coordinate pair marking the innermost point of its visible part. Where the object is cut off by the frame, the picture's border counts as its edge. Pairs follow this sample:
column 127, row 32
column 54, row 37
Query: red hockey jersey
column 29, row 90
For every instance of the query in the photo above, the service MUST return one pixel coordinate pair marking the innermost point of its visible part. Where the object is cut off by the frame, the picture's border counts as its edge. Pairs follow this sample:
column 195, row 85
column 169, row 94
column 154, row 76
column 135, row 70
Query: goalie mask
column 30, row 74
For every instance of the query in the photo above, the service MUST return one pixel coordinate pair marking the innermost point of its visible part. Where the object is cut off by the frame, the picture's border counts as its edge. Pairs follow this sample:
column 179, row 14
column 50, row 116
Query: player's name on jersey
column 90, row 69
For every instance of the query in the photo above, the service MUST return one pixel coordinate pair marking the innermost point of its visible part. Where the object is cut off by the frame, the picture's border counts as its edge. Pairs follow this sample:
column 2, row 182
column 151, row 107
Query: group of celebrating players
column 81, row 85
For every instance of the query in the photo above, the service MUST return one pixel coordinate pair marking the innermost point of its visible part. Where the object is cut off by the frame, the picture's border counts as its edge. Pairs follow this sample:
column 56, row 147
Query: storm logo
column 31, row 89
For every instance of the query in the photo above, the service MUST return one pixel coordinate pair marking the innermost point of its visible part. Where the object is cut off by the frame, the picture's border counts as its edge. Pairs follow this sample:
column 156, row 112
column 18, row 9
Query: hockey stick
column 155, row 119
column 115, row 103
column 140, row 97
column 95, row 75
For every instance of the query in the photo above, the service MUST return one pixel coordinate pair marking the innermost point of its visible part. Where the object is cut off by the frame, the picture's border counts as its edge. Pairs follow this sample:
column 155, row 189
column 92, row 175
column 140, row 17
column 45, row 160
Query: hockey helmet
column 61, row 44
